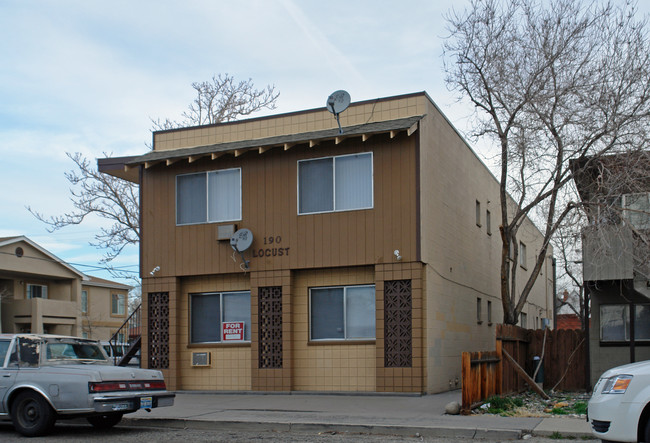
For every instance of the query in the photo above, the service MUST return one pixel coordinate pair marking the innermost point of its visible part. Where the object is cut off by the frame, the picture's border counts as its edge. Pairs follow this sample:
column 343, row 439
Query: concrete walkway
column 372, row 414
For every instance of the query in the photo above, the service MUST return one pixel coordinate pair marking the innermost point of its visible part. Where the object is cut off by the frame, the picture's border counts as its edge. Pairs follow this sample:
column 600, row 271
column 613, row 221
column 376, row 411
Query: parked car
column 619, row 408
column 44, row 378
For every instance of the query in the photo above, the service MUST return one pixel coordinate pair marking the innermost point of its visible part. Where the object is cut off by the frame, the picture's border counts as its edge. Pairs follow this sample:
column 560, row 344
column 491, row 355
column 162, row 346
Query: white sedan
column 47, row 377
column 619, row 408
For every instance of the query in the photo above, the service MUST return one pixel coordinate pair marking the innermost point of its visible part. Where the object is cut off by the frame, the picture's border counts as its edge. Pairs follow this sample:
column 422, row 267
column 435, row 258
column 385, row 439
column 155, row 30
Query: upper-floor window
column 206, row 197
column 118, row 304
column 84, row 302
column 36, row 291
column 478, row 213
column 332, row 184
column 522, row 254
column 636, row 209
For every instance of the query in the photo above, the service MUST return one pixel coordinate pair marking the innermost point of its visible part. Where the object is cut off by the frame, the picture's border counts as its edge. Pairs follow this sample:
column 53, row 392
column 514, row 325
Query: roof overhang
column 127, row 168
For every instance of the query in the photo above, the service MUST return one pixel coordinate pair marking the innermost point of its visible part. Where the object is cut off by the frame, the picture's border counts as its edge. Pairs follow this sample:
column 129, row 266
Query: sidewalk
column 371, row 414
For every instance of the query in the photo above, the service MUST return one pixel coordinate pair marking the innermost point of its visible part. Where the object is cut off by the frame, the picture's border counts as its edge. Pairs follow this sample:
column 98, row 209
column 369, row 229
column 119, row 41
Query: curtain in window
column 316, row 187
column 205, row 314
column 614, row 320
column 191, row 199
column 224, row 189
column 327, row 313
column 642, row 322
column 353, row 182
column 360, row 312
column 237, row 307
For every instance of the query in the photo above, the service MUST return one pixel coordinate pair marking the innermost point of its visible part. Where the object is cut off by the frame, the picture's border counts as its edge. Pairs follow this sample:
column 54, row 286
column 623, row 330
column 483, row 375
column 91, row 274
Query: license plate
column 121, row 406
column 146, row 402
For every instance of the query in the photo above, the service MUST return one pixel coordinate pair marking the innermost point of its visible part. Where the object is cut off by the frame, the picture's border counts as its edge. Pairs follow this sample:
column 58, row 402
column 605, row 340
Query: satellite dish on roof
column 337, row 102
column 241, row 241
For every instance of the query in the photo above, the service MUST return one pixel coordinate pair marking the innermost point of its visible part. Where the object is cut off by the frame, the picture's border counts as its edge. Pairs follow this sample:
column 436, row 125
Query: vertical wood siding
column 269, row 210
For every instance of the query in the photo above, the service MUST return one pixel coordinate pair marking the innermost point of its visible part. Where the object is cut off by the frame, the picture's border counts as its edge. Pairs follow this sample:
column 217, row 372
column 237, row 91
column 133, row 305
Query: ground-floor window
column 213, row 314
column 615, row 322
column 342, row 313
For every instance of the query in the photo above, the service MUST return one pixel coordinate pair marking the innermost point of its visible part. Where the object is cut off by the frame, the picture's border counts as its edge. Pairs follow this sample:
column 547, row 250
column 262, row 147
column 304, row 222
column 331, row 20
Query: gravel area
column 531, row 404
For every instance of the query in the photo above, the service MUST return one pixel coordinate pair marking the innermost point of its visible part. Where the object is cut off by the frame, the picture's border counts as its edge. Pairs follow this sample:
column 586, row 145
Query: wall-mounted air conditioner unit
column 201, row 359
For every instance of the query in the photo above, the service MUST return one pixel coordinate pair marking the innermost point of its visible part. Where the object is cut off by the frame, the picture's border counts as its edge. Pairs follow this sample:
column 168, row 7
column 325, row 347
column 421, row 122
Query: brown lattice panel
column 158, row 330
column 398, row 314
column 270, row 324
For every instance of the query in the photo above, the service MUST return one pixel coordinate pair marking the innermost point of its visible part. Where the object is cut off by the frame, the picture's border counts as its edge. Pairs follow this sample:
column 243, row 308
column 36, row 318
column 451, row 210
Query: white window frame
column 220, row 321
column 207, row 197
column 334, row 157
column 345, row 332
column 43, row 290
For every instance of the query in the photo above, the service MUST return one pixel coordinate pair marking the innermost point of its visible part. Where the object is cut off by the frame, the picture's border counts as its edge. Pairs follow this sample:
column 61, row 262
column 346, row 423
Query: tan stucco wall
column 98, row 322
column 462, row 260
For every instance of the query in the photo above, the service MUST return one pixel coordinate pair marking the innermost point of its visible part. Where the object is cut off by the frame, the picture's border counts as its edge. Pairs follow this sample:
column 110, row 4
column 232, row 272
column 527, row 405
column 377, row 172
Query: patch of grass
column 559, row 411
column 580, row 407
column 557, row 436
column 503, row 405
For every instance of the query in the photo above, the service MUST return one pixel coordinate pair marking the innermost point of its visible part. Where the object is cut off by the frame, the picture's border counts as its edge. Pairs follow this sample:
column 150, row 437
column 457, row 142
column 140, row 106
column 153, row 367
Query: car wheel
column 104, row 421
column 31, row 414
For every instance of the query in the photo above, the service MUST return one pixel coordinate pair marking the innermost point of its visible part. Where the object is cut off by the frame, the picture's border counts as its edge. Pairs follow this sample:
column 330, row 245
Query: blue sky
column 87, row 76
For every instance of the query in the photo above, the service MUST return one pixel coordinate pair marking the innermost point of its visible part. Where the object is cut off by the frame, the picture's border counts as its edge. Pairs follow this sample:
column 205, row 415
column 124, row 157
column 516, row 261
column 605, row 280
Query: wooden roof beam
column 288, row 146
column 313, row 143
column 171, row 161
column 365, row 137
column 216, row 155
column 147, row 165
column 412, row 129
column 194, row 158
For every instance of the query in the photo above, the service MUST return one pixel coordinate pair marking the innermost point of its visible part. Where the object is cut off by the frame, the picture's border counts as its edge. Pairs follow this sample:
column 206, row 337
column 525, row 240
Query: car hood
column 639, row 368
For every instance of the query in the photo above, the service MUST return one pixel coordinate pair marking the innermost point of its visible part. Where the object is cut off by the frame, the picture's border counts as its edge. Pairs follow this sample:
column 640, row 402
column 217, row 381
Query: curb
column 434, row 432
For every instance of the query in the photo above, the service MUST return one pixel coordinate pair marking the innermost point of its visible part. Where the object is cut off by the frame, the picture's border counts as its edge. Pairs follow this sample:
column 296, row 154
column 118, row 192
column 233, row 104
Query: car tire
column 32, row 415
column 105, row 421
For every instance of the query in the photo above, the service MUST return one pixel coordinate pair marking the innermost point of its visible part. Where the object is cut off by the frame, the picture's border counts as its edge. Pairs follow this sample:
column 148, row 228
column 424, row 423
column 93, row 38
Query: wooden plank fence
column 487, row 373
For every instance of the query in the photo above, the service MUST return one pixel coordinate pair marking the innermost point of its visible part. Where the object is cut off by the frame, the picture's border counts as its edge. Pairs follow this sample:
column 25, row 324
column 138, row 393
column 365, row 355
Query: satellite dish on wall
column 241, row 241
column 337, row 102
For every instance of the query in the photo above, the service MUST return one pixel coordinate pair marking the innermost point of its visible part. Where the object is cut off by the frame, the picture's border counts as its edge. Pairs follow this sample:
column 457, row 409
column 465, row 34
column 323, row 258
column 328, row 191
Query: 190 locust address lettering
column 271, row 251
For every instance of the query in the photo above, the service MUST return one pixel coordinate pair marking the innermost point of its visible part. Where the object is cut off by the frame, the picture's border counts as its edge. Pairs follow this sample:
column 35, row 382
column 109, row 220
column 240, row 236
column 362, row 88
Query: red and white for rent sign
column 233, row 331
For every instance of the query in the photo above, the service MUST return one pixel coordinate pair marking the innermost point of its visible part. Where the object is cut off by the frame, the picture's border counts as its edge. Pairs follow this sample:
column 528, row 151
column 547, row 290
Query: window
column 342, row 313
column 522, row 255
column 479, row 308
column 489, row 312
column 208, row 197
column 636, row 209
column 36, row 291
column 118, row 304
column 523, row 320
column 488, row 222
column 332, row 184
column 209, row 311
column 84, row 302
column 615, row 322
column 478, row 213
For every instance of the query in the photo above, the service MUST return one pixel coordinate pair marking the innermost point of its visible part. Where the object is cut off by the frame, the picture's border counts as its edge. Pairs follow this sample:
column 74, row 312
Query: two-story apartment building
column 40, row 293
column 616, row 257
column 369, row 262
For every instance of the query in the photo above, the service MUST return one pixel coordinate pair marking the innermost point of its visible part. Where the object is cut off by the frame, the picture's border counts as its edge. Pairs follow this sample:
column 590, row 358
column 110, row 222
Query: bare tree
column 550, row 81
column 222, row 99
column 95, row 193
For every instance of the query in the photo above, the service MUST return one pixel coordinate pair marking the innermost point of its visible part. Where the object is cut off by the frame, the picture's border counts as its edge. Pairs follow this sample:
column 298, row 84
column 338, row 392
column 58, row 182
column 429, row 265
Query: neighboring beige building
column 42, row 294
column 374, row 260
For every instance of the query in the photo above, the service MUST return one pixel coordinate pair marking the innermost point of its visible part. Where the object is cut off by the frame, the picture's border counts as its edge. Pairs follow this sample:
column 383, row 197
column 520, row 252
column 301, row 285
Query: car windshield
column 72, row 350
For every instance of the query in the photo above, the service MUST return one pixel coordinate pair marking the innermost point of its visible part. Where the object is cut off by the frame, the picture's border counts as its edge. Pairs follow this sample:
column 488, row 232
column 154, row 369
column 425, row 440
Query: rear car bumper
column 131, row 403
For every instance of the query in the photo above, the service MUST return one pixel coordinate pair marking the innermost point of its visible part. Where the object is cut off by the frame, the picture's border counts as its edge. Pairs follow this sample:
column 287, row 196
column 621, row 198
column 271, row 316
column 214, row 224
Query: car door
column 8, row 370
